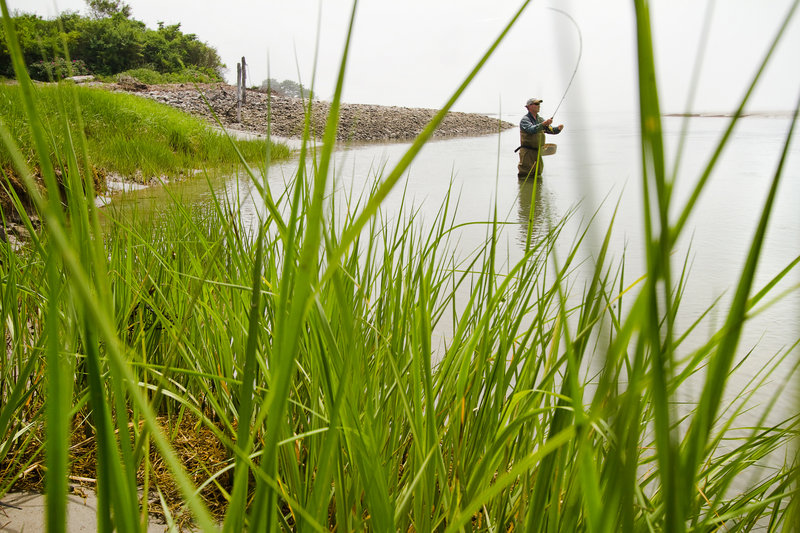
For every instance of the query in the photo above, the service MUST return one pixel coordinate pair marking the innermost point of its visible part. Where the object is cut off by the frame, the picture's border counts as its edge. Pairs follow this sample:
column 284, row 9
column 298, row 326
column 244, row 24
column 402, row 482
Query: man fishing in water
column 532, row 128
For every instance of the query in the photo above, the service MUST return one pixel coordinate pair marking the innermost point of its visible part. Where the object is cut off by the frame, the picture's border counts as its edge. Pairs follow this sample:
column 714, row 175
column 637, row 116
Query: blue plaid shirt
column 533, row 125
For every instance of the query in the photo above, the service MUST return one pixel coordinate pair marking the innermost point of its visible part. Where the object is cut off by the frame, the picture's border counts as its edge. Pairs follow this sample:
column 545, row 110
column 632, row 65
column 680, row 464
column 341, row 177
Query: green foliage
column 109, row 44
column 151, row 77
column 57, row 69
column 108, row 8
column 39, row 40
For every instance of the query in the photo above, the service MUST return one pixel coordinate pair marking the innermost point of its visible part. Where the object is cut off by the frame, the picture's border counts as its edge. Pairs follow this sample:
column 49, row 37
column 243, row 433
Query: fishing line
column 580, row 53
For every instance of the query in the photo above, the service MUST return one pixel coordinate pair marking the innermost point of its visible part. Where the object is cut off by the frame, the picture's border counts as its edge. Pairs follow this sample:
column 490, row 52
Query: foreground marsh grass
column 303, row 349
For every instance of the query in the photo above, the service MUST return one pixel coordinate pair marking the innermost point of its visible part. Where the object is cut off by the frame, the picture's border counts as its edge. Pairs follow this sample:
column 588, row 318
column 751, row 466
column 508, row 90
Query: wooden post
column 238, row 92
column 244, row 82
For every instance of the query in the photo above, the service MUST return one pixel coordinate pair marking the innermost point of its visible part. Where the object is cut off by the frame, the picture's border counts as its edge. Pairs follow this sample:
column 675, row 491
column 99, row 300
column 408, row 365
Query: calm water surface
column 597, row 169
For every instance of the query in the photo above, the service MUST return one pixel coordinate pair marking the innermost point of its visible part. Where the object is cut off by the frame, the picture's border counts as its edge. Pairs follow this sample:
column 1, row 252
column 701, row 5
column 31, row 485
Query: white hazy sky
column 414, row 53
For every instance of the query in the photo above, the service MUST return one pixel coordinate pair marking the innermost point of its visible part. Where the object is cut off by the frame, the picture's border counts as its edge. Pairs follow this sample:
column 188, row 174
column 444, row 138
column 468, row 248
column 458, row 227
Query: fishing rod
column 580, row 53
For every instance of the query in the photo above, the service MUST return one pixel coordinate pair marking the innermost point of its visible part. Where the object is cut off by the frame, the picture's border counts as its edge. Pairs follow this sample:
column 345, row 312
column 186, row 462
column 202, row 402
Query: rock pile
column 358, row 122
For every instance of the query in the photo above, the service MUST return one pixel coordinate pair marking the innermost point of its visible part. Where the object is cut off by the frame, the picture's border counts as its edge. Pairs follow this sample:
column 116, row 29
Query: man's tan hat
column 533, row 101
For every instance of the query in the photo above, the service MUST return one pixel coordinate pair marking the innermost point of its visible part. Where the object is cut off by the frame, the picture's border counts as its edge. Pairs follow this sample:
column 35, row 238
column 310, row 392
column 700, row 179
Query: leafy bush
column 108, row 45
column 144, row 75
column 39, row 39
column 152, row 77
column 57, row 69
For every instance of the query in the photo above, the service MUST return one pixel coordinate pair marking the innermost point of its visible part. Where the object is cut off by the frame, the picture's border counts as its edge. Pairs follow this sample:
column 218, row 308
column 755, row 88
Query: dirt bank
column 358, row 122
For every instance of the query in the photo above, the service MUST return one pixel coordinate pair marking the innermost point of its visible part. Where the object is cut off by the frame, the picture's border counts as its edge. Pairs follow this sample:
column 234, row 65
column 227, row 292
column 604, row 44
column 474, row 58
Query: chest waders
column 530, row 160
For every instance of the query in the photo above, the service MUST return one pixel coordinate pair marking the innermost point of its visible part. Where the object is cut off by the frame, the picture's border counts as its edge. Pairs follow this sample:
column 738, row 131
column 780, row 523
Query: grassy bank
column 298, row 360
column 122, row 134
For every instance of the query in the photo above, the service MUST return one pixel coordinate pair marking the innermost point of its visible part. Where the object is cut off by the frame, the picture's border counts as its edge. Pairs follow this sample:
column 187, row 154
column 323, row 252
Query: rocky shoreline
column 357, row 123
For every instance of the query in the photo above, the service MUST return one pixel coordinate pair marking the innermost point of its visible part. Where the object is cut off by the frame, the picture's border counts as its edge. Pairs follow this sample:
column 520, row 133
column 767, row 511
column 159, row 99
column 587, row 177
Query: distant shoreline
column 763, row 114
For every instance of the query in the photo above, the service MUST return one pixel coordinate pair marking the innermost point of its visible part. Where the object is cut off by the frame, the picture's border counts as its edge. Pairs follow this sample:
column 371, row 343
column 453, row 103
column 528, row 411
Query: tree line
column 105, row 42
column 287, row 88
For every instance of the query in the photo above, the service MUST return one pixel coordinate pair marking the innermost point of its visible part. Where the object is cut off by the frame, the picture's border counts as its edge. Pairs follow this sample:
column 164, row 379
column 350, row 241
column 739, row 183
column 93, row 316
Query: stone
column 286, row 115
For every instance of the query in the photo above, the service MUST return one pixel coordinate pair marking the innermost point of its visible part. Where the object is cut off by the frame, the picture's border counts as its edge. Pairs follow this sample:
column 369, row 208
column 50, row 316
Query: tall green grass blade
column 59, row 374
column 690, row 204
column 720, row 364
column 236, row 512
column 293, row 306
column 656, row 203
column 388, row 183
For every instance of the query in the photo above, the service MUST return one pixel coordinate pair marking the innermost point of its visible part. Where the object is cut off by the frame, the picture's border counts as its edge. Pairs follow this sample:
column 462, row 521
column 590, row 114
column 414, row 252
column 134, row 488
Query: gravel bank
column 358, row 122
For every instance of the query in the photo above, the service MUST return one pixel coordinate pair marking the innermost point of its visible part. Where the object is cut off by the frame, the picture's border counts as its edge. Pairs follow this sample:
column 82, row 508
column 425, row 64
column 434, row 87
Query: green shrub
column 57, row 69
column 144, row 75
column 107, row 45
column 152, row 77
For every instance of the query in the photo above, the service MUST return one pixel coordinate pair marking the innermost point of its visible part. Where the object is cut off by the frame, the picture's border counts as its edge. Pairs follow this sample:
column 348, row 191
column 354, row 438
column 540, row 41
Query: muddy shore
column 357, row 123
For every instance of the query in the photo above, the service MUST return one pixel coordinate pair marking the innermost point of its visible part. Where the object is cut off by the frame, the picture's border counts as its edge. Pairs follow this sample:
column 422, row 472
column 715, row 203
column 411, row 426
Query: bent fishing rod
column 580, row 53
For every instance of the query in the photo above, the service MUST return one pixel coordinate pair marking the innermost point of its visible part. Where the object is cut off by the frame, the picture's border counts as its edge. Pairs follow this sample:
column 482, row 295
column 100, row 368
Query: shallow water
column 596, row 171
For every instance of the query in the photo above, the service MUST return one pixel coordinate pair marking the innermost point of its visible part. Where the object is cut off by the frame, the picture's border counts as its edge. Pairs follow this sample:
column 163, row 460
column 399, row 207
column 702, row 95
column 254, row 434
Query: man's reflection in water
column 535, row 211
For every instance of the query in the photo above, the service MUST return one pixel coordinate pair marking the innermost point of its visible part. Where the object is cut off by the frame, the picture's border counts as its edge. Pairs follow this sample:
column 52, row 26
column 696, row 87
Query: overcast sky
column 414, row 53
